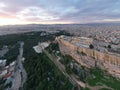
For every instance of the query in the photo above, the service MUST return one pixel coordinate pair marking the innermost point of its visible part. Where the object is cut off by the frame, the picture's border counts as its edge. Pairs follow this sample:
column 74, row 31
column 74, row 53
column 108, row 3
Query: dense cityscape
column 69, row 51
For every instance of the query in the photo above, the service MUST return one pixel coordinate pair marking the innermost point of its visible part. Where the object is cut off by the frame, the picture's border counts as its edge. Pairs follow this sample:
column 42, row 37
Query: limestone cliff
column 107, row 61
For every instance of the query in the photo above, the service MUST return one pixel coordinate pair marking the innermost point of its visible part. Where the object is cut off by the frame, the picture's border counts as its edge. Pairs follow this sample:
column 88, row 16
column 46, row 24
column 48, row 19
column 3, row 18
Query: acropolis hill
column 78, row 48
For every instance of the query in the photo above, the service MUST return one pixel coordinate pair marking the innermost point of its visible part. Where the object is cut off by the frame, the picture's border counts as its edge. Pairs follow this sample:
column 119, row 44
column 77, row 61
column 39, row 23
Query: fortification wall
column 109, row 62
column 104, row 57
column 68, row 49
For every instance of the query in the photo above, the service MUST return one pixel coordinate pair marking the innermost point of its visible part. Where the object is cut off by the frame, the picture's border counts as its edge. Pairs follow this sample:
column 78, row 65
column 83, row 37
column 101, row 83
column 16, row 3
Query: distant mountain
column 103, row 24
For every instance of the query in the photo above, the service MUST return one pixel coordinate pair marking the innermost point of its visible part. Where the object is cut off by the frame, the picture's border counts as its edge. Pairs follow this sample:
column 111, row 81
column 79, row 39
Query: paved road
column 20, row 74
column 62, row 69
column 23, row 72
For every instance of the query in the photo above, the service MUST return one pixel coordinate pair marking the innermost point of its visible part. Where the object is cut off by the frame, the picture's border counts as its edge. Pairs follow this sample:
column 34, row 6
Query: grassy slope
column 99, row 78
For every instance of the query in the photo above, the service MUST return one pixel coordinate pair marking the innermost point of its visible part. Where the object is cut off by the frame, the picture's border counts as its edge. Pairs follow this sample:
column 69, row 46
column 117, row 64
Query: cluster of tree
column 42, row 74
column 91, row 46
column 79, row 71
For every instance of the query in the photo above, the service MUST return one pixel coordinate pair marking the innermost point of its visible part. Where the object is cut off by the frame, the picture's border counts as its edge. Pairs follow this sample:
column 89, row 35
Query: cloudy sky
column 58, row 11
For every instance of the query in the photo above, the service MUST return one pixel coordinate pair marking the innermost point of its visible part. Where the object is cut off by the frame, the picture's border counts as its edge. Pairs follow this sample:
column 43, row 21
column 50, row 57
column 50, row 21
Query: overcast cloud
column 74, row 11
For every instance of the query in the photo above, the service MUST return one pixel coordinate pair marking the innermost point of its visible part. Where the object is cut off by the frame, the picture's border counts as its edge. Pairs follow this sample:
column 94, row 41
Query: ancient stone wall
column 104, row 57
column 106, row 61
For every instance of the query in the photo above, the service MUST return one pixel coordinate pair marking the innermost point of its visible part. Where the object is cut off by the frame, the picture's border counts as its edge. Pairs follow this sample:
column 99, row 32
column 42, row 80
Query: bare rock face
column 106, row 61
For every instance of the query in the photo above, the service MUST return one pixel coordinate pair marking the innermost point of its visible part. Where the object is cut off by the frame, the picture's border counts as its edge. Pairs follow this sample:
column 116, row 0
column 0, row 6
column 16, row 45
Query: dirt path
column 71, row 77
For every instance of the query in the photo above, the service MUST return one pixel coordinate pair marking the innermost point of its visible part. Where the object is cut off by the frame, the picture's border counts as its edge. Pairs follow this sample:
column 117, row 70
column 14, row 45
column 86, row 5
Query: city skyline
column 58, row 11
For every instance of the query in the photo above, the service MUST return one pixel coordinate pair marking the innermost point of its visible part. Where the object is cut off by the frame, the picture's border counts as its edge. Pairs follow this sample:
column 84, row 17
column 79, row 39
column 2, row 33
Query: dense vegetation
column 42, row 74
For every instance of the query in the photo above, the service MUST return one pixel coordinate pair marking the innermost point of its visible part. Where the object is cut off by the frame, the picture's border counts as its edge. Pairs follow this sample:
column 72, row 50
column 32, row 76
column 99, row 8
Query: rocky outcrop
column 108, row 61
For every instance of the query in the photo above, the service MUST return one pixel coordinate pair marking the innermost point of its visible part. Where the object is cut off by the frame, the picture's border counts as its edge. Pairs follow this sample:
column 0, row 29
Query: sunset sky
column 58, row 11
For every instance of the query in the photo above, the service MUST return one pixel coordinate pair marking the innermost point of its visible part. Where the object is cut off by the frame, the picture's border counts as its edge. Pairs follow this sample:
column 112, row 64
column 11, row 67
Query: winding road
column 20, row 74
